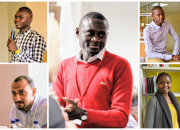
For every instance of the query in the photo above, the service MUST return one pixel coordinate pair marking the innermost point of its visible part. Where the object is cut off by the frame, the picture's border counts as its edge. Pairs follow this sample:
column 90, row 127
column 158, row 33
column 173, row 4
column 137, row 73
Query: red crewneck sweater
column 109, row 95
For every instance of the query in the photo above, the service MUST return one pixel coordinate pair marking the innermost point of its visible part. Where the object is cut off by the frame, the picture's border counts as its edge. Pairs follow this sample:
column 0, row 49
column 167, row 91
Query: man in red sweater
column 95, row 86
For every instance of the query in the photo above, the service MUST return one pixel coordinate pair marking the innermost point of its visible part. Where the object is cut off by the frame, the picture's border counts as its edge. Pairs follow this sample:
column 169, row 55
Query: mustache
column 19, row 102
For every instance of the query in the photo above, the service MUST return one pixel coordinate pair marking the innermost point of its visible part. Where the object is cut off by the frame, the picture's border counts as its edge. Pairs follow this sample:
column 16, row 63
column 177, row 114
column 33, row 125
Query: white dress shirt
column 97, row 56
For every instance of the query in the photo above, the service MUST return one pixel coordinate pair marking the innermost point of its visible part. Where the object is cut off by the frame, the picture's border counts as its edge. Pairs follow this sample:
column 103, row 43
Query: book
column 144, row 86
column 152, row 84
column 148, row 85
column 155, row 85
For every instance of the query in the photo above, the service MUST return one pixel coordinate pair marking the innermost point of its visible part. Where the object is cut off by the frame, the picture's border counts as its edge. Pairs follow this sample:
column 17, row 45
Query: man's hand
column 68, row 124
column 11, row 45
column 74, row 112
column 176, row 57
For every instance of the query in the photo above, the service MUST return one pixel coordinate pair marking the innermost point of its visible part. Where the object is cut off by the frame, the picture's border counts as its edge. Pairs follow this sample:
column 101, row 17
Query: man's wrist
column 17, row 51
column 84, row 115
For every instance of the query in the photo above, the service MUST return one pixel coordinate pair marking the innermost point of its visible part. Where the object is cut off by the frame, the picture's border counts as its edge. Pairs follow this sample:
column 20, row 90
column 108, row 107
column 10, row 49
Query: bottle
column 18, row 124
column 13, row 125
column 36, row 125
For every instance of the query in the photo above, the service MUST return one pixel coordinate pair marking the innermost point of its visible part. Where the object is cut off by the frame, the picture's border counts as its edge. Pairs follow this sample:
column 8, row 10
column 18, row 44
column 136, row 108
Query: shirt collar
column 25, row 31
column 33, row 106
column 156, row 26
column 97, row 56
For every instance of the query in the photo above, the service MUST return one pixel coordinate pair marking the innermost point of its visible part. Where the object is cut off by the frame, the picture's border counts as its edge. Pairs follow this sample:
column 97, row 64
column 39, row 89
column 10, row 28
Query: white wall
column 38, row 72
column 123, row 29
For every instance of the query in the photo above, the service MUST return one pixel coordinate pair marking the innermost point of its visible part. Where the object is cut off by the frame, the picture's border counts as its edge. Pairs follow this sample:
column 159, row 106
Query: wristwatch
column 84, row 116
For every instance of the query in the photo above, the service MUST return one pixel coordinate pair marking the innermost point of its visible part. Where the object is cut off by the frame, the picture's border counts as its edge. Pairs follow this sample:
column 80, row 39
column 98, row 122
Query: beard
column 22, row 106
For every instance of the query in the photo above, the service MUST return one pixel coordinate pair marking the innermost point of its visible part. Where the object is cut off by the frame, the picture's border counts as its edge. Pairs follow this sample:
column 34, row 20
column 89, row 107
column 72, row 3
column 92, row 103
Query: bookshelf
column 166, row 69
column 144, row 70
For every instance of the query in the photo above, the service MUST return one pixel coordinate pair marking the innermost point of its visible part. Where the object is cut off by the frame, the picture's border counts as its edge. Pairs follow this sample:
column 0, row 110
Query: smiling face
column 158, row 16
column 22, row 20
column 23, row 95
column 164, row 84
column 92, row 35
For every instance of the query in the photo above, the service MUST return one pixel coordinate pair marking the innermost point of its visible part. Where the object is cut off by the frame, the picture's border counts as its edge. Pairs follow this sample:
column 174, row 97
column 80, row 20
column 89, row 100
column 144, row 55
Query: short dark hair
column 162, row 74
column 95, row 15
column 155, row 8
column 28, row 10
column 27, row 78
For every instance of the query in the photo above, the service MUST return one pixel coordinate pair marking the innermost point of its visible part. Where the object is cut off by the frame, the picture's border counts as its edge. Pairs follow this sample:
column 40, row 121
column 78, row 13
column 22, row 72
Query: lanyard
column 79, row 92
column 34, row 114
column 23, row 39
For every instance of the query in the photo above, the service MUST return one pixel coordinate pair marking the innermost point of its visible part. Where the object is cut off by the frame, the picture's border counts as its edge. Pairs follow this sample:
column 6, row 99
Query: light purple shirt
column 155, row 38
column 38, row 112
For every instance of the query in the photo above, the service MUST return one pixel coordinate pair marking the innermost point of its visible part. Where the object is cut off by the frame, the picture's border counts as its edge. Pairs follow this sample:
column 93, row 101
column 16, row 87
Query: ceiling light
column 161, row 4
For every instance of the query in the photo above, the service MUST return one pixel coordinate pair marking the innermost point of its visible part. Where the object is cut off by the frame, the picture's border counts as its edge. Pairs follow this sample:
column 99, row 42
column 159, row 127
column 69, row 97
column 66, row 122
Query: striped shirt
column 155, row 38
column 32, row 46
column 97, row 56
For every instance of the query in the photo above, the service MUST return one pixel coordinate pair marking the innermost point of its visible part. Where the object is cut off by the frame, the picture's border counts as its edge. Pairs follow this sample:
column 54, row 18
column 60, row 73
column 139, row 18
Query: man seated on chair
column 28, row 107
column 155, row 37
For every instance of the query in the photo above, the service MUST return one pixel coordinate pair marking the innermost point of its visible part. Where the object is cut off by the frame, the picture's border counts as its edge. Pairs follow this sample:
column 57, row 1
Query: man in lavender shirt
column 155, row 37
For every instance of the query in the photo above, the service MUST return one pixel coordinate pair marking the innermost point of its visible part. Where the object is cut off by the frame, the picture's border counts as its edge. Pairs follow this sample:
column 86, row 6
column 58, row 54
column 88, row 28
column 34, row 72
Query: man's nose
column 16, row 19
column 95, row 38
column 17, row 98
column 162, row 17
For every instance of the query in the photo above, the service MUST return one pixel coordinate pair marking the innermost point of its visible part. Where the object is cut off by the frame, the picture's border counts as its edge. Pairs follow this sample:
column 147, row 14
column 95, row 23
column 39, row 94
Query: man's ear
column 77, row 32
column 152, row 15
column 30, row 20
column 33, row 91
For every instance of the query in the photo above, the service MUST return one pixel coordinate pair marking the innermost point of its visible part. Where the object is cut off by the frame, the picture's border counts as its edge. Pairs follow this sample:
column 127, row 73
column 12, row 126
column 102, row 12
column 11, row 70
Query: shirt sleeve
column 44, row 112
column 150, row 53
column 58, row 87
column 121, row 99
column 149, row 116
column 11, row 115
column 175, row 38
column 38, row 50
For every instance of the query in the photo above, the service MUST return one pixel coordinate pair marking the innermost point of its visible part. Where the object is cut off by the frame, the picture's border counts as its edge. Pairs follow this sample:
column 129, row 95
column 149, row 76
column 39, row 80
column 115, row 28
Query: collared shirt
column 155, row 38
column 97, row 56
column 132, row 123
column 38, row 112
column 32, row 46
